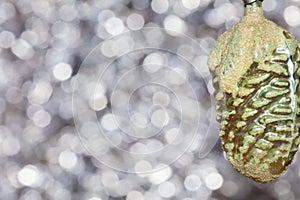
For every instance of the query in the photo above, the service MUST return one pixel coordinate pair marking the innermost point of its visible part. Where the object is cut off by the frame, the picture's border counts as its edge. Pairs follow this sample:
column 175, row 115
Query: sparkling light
column 214, row 181
column 42, row 118
column 161, row 98
column 191, row 4
column 160, row 6
column 67, row 159
column 153, row 62
column 174, row 25
column 7, row 38
column 114, row 26
column 192, row 182
column 29, row 176
column 135, row 21
column 291, row 15
column 160, row 118
column 62, row 71
column 108, row 122
column 167, row 189
column 22, row 49
column 134, row 195
column 160, row 176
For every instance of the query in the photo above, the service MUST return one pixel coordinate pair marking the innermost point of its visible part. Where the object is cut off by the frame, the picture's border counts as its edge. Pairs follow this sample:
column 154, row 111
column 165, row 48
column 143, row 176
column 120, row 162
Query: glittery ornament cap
column 247, row 2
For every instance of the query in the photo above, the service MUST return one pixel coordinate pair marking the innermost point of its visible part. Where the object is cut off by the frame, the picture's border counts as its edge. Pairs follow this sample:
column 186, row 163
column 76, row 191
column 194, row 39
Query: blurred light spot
column 174, row 25
column 54, row 56
column 161, row 98
column 167, row 189
column 30, row 36
column 62, row 71
column 204, row 3
column 122, row 45
column 101, row 32
column 89, row 129
column 66, row 35
column 31, row 194
column 153, row 62
column 63, row 30
column 98, row 145
column 2, row 105
column 164, row 173
column 142, row 166
column 114, row 26
column 134, row 195
column 109, row 178
column 7, row 38
column 214, row 181
column 186, row 51
column 154, row 145
column 191, row 4
column 22, row 49
column 10, row 145
column 118, row 98
column 123, row 187
column 67, row 159
column 140, row 4
column 199, row 62
column 226, row 11
column 61, row 194
column 135, row 21
column 230, row 189
column 108, row 122
column 29, row 176
column 160, row 6
column 139, row 148
column 154, row 37
column 282, row 187
column 114, row 139
column 33, row 135
column 104, row 15
column 291, row 15
column 207, row 43
column 67, row 12
column 7, row 11
column 95, row 198
column 139, row 120
column 174, row 136
column 65, row 109
column 213, row 18
column 180, row 10
column 192, row 182
column 13, row 95
column 269, row 5
column 186, row 159
column 42, row 8
column 40, row 92
column 107, row 49
column 232, row 21
column 99, row 90
column 210, row 87
column 177, row 76
column 4, row 80
column 98, row 103
column 160, row 118
column 41, row 118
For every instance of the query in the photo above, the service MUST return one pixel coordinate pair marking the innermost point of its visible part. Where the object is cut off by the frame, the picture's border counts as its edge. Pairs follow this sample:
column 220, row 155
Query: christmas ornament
column 255, row 68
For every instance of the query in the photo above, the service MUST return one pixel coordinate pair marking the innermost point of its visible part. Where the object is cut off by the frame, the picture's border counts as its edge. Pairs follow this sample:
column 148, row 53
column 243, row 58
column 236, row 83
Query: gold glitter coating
column 255, row 67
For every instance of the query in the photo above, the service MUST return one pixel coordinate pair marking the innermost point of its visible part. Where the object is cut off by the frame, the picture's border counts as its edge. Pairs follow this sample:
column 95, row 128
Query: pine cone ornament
column 255, row 69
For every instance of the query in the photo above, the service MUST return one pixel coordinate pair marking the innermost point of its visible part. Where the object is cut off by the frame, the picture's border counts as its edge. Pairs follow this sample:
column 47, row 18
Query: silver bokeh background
column 42, row 46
